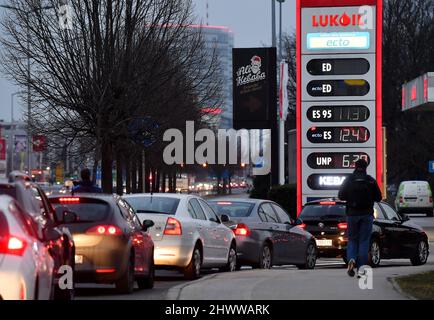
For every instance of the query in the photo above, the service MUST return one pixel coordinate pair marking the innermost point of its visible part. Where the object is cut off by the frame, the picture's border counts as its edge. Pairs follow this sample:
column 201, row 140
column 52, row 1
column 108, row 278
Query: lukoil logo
column 364, row 19
column 336, row 20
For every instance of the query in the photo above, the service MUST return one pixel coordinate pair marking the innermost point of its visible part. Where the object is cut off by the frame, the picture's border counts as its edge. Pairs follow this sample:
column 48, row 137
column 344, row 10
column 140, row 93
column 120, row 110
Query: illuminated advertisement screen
column 326, row 181
column 338, row 114
column 336, row 160
column 338, row 135
column 338, row 41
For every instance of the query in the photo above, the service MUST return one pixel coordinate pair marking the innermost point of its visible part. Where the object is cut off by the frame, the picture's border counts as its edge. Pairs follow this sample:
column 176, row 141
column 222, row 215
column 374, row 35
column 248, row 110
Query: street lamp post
column 29, row 105
column 12, row 131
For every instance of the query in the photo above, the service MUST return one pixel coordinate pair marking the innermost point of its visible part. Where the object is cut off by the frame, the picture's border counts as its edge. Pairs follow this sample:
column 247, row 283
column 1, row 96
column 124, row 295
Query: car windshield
column 328, row 211
column 87, row 210
column 233, row 209
column 159, row 205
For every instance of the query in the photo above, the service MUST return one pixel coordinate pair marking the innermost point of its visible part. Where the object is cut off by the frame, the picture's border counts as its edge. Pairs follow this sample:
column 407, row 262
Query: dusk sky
column 250, row 21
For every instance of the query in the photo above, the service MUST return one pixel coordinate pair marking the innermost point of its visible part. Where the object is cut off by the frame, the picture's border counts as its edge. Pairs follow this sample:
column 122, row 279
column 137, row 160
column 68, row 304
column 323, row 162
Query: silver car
column 188, row 235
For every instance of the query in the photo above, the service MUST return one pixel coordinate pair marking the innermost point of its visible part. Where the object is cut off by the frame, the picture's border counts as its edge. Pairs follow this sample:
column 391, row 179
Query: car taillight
column 302, row 226
column 69, row 200
column 13, row 245
column 173, row 227
column 401, row 200
column 242, row 230
column 343, row 226
column 327, row 203
column 104, row 230
column 430, row 199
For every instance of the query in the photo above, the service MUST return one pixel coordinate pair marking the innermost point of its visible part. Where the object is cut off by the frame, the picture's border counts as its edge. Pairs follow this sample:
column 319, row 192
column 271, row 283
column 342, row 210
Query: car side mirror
column 404, row 217
column 224, row 218
column 298, row 222
column 147, row 224
column 69, row 217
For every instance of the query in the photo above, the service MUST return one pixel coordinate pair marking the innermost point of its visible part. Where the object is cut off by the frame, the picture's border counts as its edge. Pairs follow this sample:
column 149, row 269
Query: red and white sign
column 2, row 149
column 39, row 143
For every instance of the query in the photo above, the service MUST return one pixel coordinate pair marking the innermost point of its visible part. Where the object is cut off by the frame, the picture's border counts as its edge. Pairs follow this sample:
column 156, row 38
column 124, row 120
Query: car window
column 283, row 216
column 198, row 210
column 191, row 212
column 233, row 209
column 153, row 204
column 87, row 210
column 42, row 202
column 378, row 213
column 267, row 213
column 390, row 213
column 209, row 212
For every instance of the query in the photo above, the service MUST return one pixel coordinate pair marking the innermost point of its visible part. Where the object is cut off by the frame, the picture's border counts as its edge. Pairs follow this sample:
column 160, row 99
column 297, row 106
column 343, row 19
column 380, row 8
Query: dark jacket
column 346, row 190
column 86, row 187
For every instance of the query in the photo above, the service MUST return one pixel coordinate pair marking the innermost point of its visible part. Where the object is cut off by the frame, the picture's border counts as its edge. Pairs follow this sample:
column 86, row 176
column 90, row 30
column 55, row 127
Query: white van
column 414, row 197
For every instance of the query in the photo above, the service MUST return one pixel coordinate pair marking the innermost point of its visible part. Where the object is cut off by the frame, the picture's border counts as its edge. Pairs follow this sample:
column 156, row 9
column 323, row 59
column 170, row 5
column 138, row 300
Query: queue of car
column 117, row 240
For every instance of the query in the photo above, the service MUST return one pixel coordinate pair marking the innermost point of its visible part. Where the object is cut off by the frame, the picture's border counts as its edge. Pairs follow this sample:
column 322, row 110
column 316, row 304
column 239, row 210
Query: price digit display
column 338, row 114
column 336, row 160
column 338, row 135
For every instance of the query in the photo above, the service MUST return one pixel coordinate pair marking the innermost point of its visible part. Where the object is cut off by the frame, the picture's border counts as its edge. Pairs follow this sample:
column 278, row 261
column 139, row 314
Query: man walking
column 86, row 185
column 360, row 191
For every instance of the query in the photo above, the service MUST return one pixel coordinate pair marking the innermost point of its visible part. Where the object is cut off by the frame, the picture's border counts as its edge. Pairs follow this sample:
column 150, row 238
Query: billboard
column 39, row 143
column 254, row 88
column 339, row 109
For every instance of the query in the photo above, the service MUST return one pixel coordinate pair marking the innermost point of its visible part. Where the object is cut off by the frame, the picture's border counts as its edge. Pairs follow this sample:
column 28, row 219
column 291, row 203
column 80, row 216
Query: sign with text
column 339, row 96
column 254, row 87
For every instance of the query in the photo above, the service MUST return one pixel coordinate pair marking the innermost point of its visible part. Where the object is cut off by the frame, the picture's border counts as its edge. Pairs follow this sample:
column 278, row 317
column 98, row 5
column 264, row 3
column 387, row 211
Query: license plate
column 324, row 243
column 78, row 259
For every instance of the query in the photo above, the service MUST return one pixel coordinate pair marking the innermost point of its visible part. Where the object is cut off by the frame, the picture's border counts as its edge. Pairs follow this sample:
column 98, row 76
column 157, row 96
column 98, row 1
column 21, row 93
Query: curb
column 175, row 292
column 398, row 289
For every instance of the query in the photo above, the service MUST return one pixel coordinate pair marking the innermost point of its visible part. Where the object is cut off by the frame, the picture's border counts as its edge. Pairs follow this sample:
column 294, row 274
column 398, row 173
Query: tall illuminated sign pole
column 339, row 112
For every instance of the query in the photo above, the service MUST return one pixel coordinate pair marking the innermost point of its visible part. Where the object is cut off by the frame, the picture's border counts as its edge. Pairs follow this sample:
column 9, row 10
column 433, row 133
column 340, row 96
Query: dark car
column 266, row 235
column 50, row 231
column 112, row 246
column 393, row 236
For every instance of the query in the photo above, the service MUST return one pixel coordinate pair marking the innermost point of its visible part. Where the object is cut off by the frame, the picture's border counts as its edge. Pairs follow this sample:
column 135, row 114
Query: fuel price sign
column 339, row 97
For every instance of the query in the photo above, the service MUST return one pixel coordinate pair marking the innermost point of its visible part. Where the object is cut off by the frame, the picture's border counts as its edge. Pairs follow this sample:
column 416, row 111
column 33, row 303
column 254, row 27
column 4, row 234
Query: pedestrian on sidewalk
column 86, row 185
column 360, row 191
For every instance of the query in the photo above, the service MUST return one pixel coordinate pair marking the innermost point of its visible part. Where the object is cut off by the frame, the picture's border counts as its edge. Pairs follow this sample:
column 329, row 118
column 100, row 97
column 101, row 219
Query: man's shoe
column 351, row 266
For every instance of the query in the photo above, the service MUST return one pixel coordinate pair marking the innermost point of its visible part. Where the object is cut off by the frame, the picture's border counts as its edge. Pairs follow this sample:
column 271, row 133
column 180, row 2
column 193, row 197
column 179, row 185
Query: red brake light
column 303, row 225
column 343, row 226
column 224, row 203
column 242, row 230
column 401, row 200
column 104, row 230
column 328, row 203
column 430, row 199
column 69, row 200
column 13, row 245
column 173, row 227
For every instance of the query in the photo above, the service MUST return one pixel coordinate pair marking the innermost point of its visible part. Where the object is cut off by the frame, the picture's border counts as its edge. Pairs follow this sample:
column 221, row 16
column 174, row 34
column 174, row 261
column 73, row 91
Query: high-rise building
column 220, row 39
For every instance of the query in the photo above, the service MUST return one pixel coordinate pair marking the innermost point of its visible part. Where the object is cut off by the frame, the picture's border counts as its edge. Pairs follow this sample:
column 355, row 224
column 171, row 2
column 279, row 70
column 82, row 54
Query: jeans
column 359, row 238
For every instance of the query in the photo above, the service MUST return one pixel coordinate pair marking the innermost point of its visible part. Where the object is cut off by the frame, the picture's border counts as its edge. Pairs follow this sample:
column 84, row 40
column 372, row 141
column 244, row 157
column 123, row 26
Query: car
column 393, row 236
column 15, row 176
column 111, row 245
column 56, row 238
column 189, row 235
column 266, row 234
column 414, row 197
column 26, row 266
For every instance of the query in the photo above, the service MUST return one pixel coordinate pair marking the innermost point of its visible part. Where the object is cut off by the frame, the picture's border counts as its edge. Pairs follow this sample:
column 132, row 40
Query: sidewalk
column 324, row 283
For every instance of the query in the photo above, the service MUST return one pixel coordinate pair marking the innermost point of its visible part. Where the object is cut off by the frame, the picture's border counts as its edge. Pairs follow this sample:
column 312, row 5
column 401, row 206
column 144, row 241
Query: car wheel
column 421, row 255
column 192, row 272
column 266, row 258
column 147, row 282
column 310, row 257
column 231, row 266
column 374, row 254
column 125, row 285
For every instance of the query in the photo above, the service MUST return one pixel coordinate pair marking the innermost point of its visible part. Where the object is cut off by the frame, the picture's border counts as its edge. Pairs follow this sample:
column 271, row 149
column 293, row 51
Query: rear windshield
column 330, row 211
column 233, row 209
column 158, row 205
column 87, row 210
column 8, row 190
